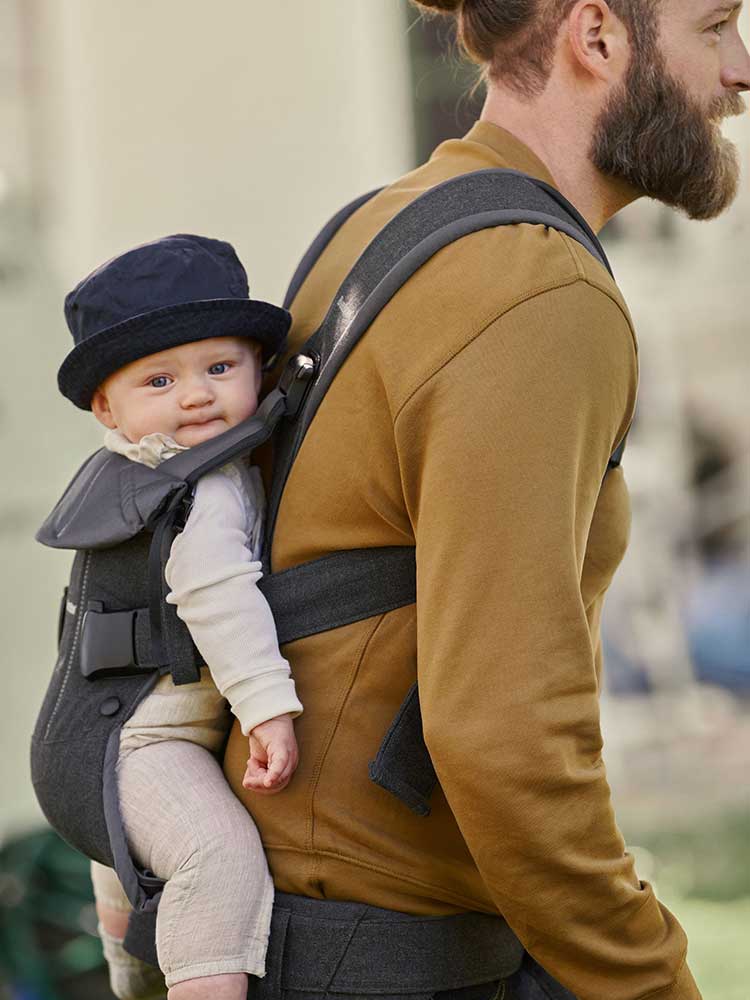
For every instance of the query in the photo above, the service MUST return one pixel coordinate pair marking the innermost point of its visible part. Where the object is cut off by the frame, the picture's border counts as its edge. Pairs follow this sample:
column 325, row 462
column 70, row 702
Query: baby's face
column 191, row 392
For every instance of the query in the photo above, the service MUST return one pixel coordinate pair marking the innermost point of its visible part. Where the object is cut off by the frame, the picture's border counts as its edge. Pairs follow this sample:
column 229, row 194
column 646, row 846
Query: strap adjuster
column 296, row 380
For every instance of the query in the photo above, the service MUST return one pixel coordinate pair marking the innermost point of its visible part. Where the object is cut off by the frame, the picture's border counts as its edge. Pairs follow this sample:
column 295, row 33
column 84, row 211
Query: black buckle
column 108, row 643
column 296, row 380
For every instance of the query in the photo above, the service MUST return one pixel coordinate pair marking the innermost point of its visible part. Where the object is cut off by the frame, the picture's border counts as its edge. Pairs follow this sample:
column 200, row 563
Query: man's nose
column 196, row 392
column 735, row 75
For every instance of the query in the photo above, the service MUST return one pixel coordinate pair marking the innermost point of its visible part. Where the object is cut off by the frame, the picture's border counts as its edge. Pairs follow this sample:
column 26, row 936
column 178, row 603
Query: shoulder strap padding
column 457, row 207
column 319, row 244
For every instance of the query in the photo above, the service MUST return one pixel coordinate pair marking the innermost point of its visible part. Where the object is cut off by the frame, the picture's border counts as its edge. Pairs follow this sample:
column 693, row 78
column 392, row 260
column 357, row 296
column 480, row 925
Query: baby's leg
column 129, row 978
column 184, row 823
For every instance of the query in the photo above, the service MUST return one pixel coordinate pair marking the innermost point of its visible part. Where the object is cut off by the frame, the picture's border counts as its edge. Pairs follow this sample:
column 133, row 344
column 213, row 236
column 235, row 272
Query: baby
column 169, row 354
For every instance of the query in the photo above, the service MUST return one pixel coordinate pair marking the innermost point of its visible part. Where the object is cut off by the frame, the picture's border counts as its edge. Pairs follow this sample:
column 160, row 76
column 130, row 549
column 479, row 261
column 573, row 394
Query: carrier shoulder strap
column 340, row 588
column 460, row 206
column 320, row 242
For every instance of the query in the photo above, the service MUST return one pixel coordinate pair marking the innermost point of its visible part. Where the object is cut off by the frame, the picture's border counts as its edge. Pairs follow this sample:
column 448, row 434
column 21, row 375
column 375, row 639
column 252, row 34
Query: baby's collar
column 151, row 450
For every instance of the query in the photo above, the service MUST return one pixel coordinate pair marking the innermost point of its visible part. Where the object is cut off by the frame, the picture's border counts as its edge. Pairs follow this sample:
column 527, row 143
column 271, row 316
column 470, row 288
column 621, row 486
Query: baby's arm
column 212, row 574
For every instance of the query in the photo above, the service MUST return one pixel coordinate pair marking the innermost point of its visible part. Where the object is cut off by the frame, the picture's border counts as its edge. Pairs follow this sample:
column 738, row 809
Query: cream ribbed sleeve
column 212, row 573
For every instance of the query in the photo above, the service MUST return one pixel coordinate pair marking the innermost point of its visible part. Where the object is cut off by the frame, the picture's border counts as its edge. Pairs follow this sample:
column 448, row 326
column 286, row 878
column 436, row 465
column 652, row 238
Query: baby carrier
column 117, row 634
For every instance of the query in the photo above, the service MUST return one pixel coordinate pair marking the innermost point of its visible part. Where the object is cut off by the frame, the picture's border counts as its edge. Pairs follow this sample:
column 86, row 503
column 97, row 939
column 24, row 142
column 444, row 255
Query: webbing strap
column 322, row 594
column 339, row 589
column 171, row 643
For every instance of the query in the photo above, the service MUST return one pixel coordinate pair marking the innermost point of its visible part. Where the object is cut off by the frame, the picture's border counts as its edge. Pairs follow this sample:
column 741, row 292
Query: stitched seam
column 567, row 241
column 63, row 527
column 342, row 956
column 74, row 645
column 496, row 315
column 445, row 895
column 319, row 763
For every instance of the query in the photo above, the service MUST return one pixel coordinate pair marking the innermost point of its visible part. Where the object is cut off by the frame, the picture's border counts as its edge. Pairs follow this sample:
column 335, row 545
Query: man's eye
column 159, row 381
column 718, row 29
column 219, row 368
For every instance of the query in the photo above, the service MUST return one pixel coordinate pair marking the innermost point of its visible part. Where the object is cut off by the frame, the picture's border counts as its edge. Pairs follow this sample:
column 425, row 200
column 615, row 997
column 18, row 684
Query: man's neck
column 561, row 138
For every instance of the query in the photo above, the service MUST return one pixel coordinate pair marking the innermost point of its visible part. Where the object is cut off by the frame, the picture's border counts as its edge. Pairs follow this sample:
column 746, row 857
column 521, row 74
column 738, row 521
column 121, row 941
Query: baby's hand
column 273, row 756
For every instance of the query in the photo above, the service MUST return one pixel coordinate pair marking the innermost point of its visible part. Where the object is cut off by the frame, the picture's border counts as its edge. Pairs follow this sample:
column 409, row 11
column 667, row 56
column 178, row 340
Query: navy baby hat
column 158, row 295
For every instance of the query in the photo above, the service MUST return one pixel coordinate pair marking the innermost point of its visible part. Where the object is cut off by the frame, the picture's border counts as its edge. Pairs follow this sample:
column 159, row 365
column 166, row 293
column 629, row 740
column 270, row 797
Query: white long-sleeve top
column 212, row 572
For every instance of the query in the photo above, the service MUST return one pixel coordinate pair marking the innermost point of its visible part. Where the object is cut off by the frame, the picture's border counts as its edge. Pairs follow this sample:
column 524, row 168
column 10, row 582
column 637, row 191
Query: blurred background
column 254, row 122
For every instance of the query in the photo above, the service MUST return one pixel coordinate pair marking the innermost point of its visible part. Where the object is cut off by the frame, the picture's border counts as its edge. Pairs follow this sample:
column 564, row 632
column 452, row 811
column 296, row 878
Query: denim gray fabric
column 531, row 982
column 346, row 950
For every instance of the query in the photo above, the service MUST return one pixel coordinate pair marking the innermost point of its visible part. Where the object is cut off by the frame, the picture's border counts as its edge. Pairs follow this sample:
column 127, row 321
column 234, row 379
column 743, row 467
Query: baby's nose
column 196, row 393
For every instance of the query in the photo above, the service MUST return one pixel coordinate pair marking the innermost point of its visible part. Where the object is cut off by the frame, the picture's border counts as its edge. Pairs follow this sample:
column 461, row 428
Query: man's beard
column 664, row 145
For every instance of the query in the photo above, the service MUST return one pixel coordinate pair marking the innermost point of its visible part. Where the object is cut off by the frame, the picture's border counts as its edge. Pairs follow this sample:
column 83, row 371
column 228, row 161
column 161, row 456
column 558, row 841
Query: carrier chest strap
column 339, row 589
column 319, row 595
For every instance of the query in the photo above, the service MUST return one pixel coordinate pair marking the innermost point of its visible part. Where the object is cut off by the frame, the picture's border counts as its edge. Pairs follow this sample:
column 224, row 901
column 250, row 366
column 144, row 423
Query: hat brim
column 97, row 357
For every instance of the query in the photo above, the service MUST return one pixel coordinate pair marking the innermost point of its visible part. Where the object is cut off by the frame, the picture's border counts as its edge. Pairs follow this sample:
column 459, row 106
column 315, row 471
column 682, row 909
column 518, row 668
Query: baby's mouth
column 199, row 423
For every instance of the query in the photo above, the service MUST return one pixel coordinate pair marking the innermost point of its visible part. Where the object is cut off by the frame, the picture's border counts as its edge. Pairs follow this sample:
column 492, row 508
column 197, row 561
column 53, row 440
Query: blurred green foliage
column 709, row 860
column 48, row 944
column 49, row 949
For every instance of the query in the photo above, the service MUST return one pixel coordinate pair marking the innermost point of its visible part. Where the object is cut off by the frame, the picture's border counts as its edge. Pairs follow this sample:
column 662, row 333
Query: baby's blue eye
column 219, row 368
column 159, row 382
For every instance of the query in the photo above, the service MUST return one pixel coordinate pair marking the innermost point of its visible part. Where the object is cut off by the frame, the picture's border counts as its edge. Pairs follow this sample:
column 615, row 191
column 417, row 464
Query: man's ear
column 101, row 410
column 599, row 41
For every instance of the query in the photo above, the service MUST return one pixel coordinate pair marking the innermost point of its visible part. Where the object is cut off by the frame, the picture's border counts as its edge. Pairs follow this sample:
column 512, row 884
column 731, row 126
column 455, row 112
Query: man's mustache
column 727, row 106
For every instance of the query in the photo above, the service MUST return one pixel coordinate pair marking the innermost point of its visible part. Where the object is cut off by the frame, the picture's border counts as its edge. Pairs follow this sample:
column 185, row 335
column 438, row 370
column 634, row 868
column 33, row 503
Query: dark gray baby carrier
column 117, row 635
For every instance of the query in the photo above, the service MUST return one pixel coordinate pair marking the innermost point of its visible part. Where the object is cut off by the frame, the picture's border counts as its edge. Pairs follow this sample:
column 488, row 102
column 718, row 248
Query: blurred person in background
column 482, row 438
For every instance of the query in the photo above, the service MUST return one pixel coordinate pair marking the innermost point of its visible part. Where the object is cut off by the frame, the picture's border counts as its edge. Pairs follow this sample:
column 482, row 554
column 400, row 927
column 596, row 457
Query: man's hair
column 514, row 40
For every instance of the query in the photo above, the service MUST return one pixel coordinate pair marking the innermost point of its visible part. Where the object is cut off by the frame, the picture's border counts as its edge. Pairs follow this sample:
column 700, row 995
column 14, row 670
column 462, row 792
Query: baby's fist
column 273, row 756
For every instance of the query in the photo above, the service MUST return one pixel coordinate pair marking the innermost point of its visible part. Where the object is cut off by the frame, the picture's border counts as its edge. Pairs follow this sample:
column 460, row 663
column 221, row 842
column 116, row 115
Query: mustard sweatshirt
column 475, row 421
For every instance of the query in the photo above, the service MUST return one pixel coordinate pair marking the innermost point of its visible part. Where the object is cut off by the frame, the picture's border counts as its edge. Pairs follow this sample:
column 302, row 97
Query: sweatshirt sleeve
column 503, row 451
column 212, row 578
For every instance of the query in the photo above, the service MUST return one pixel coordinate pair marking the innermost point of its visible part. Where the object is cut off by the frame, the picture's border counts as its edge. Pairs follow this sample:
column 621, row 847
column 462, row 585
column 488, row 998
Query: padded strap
column 454, row 209
column 319, row 244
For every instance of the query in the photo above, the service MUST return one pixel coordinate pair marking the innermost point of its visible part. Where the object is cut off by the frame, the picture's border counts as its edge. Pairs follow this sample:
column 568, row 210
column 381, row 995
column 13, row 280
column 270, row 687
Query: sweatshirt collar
column 498, row 147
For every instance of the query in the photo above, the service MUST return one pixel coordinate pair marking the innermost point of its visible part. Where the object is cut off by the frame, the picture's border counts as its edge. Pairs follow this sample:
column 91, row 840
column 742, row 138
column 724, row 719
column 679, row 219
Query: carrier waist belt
column 325, row 945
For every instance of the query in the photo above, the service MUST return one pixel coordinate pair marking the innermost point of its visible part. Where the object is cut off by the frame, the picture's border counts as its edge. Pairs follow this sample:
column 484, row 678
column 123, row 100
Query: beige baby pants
column 184, row 823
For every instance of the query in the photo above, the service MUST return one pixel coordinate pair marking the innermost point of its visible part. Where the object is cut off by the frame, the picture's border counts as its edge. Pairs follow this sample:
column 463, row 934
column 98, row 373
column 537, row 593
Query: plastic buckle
column 295, row 381
column 107, row 641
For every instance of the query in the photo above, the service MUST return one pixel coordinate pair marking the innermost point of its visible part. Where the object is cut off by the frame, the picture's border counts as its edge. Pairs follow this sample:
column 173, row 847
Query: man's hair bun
column 440, row 6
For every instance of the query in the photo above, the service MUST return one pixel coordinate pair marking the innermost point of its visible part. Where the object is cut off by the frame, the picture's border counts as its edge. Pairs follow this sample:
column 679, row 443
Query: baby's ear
column 101, row 410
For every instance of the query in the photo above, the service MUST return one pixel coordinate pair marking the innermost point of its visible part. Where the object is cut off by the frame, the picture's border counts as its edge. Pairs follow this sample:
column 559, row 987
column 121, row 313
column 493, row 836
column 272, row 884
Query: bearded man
column 475, row 422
